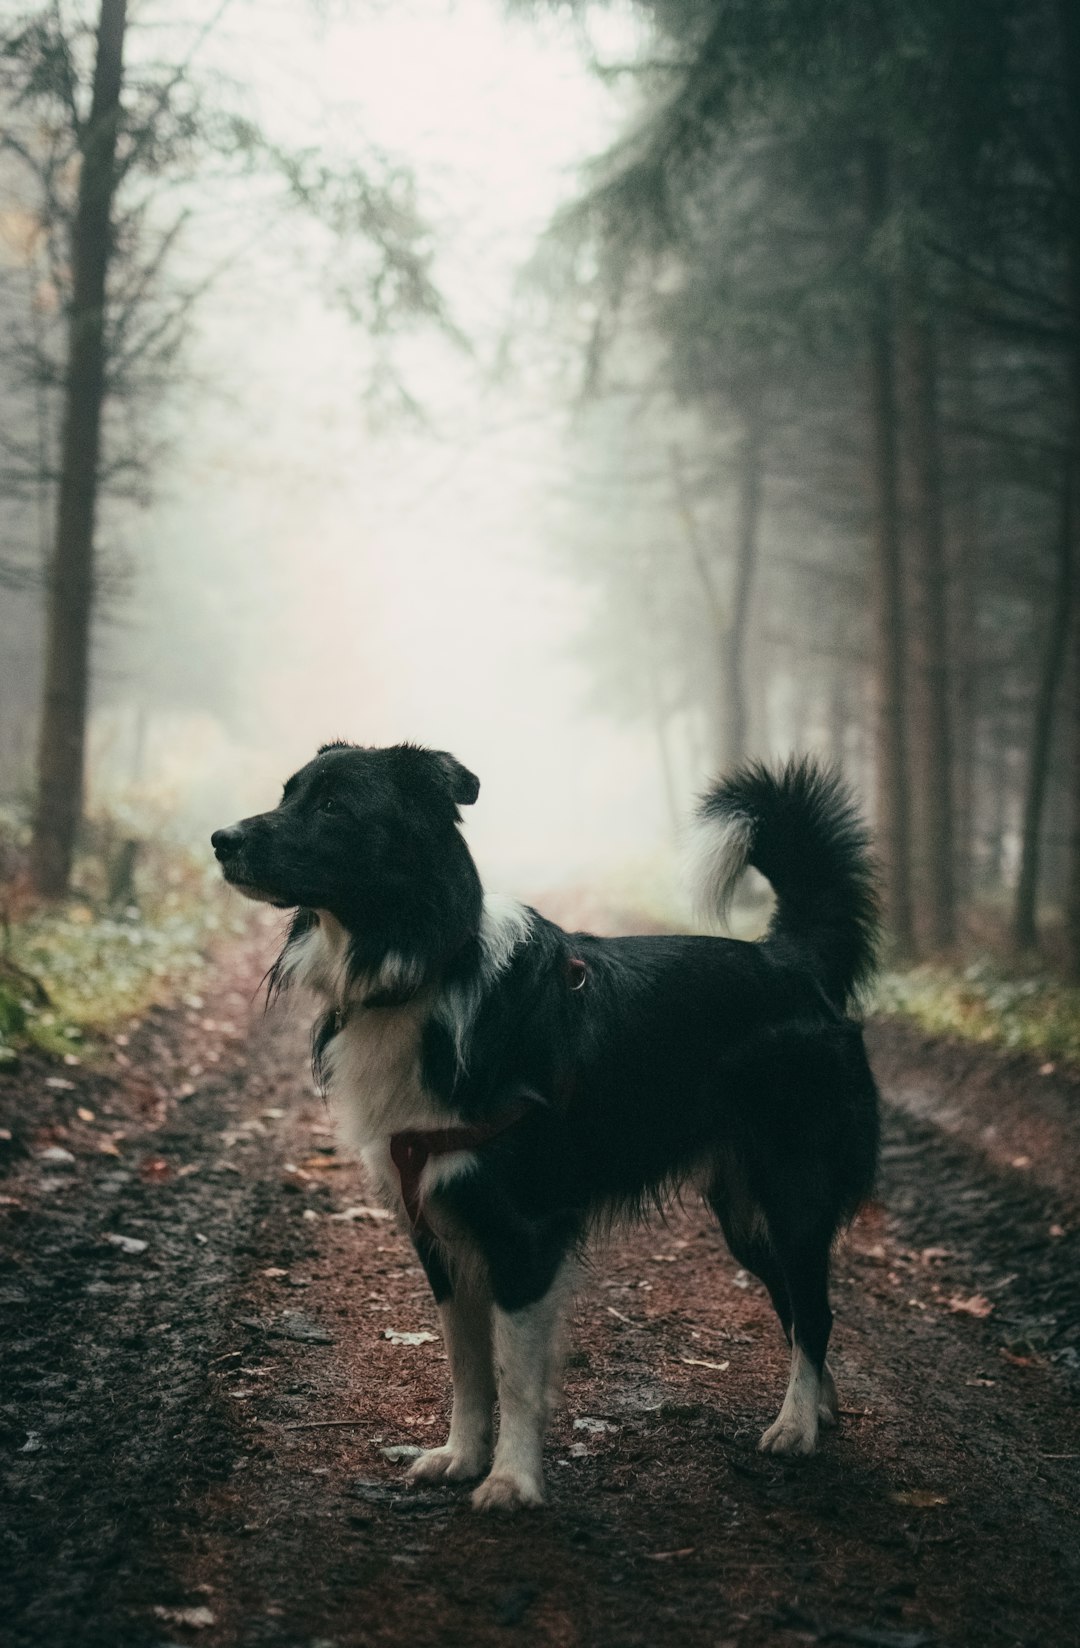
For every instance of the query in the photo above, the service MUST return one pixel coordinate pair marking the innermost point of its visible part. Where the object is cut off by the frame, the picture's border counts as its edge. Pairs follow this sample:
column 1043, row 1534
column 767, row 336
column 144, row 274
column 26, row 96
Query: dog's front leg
column 466, row 1325
column 526, row 1349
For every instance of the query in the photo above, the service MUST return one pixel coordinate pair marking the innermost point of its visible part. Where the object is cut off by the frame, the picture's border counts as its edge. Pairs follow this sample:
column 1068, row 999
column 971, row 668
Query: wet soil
column 193, row 1432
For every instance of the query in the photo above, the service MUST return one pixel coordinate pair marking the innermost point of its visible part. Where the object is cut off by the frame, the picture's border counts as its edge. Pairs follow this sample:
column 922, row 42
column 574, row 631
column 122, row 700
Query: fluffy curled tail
column 801, row 829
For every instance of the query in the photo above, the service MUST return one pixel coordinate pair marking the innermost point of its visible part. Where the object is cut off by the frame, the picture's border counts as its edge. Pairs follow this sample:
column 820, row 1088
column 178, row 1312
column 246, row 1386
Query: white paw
column 508, row 1493
column 793, row 1437
column 447, row 1464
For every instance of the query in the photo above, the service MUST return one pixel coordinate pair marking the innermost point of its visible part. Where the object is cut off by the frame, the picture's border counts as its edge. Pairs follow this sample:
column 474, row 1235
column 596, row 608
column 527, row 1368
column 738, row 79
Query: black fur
column 735, row 1064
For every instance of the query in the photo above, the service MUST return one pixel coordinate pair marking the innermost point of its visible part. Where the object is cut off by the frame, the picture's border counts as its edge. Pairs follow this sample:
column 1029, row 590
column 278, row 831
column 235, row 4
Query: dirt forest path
column 209, row 1343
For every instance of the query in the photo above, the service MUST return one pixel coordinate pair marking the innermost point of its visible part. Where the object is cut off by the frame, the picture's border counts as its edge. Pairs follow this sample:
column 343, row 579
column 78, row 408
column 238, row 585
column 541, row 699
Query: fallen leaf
column 349, row 1215
column 321, row 1164
column 154, row 1170
column 83, row 1114
column 399, row 1452
column 397, row 1338
column 56, row 1156
column 60, row 1084
column 274, row 1270
column 699, row 1362
column 595, row 1427
column 670, row 1556
column 126, row 1244
column 196, row 1619
column 1056, row 1232
column 975, row 1305
column 920, row 1499
column 1016, row 1359
column 107, row 1147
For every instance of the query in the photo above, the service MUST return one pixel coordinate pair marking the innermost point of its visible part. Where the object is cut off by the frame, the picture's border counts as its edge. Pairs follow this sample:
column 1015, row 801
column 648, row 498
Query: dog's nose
column 226, row 842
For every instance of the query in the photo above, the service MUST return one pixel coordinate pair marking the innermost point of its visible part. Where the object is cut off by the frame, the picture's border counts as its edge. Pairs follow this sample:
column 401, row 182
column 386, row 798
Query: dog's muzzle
column 227, row 843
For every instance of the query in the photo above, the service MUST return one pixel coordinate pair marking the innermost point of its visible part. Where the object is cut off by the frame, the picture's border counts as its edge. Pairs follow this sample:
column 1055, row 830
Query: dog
column 511, row 1086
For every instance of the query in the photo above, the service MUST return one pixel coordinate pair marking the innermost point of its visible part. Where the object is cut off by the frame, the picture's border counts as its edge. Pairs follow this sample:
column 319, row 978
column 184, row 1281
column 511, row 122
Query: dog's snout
column 227, row 842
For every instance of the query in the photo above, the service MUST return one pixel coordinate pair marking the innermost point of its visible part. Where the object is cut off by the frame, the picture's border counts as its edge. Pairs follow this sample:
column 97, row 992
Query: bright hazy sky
column 402, row 585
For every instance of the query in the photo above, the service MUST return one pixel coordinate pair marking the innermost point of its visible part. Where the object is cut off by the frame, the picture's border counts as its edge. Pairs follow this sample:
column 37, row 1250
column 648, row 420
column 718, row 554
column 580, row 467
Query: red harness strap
column 411, row 1151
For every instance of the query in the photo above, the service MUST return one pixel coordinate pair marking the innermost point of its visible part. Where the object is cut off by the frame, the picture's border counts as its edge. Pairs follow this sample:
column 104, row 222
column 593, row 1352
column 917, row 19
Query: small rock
column 397, row 1338
column 33, row 1443
column 126, row 1244
column 400, row 1452
column 56, row 1156
column 595, row 1426
column 60, row 1084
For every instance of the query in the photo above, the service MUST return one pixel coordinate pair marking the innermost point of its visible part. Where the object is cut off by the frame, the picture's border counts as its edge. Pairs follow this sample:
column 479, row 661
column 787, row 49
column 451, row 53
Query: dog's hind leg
column 756, row 1255
column 805, row 1266
column 465, row 1311
column 526, row 1350
column 748, row 1236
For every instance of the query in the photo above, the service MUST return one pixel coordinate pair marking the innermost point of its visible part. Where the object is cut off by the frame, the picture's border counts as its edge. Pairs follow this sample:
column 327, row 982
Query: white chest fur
column 372, row 1066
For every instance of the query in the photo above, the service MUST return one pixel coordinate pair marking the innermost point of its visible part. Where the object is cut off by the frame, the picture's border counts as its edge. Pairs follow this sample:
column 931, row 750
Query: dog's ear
column 464, row 786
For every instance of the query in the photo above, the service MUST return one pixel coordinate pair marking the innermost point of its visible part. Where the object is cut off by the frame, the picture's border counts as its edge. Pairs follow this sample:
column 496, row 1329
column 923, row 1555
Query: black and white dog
column 510, row 1086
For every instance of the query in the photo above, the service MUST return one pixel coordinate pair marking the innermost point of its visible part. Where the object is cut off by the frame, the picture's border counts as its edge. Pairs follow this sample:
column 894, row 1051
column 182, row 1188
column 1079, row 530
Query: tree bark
column 746, row 556
column 931, row 737
column 1025, row 908
column 893, row 803
column 718, row 722
column 62, row 737
column 1069, row 22
column 963, row 613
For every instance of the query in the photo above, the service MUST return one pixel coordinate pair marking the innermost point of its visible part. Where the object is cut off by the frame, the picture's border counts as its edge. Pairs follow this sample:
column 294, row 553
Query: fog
column 599, row 392
column 393, row 579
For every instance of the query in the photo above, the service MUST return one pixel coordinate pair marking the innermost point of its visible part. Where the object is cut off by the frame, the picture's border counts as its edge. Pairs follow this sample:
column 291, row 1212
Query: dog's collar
column 576, row 972
column 411, row 1150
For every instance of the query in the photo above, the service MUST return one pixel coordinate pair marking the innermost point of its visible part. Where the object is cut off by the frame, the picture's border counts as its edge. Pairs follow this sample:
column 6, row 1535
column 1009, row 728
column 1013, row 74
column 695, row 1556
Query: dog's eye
column 329, row 805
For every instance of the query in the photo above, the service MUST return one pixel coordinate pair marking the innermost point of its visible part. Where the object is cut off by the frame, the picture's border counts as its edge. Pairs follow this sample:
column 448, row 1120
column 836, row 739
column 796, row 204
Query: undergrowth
column 73, row 972
column 983, row 1002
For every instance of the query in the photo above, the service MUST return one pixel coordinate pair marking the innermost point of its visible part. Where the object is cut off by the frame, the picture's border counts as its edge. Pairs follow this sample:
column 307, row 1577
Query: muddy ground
column 193, row 1419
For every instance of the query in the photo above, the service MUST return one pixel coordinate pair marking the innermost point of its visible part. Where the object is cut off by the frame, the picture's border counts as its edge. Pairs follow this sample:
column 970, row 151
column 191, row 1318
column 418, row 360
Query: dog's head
column 371, row 836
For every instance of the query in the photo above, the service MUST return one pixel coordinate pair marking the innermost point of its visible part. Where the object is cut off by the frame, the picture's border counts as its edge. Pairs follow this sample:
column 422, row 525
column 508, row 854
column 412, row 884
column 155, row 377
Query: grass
column 984, row 1002
column 72, row 973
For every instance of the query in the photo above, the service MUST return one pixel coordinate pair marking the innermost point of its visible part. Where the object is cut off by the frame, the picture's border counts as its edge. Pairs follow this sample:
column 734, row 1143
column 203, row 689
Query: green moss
column 985, row 1003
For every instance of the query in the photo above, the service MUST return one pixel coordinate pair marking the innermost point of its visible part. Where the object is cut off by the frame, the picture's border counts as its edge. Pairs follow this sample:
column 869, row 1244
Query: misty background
column 603, row 392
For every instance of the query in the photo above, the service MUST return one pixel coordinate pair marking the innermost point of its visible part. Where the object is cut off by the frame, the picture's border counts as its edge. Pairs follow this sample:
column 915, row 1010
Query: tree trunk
column 932, row 719
column 62, row 738
column 893, row 806
column 1070, row 48
column 717, row 717
column 746, row 554
column 963, row 613
column 1024, row 924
